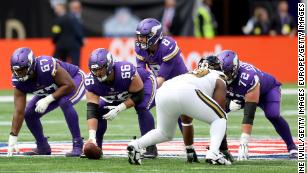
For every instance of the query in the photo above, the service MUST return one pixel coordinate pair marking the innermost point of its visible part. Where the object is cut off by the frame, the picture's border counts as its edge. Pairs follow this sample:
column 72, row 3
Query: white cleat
column 134, row 154
column 216, row 158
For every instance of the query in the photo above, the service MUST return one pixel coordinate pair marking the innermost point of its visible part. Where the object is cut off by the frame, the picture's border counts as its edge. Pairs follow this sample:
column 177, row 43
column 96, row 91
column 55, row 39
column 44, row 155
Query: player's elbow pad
column 92, row 110
column 137, row 97
column 249, row 112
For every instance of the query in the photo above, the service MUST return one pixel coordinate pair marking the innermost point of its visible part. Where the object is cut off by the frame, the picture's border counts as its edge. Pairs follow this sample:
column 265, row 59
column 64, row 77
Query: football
column 91, row 151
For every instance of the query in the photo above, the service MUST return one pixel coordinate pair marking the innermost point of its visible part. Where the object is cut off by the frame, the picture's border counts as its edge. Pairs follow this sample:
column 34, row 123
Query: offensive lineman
column 122, row 85
column 200, row 94
column 54, row 84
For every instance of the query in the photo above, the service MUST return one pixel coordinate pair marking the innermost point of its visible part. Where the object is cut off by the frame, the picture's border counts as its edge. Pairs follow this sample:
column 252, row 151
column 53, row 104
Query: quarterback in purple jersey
column 248, row 87
column 162, row 56
column 121, row 86
column 54, row 84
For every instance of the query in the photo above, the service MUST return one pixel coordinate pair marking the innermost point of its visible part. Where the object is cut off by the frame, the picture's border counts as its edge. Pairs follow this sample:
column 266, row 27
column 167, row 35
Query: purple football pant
column 66, row 103
column 270, row 104
column 145, row 118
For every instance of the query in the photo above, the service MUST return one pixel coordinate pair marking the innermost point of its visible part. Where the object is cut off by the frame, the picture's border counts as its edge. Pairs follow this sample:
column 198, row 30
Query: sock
column 71, row 118
column 146, row 121
column 101, row 129
column 282, row 128
column 151, row 138
column 217, row 133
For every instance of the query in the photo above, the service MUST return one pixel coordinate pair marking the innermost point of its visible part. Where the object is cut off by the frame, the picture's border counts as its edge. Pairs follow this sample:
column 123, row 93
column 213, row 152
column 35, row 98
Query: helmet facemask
column 23, row 73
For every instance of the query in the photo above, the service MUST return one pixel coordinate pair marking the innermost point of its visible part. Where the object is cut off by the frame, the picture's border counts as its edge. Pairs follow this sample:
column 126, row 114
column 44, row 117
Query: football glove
column 243, row 148
column 43, row 103
column 114, row 111
column 234, row 105
column 12, row 145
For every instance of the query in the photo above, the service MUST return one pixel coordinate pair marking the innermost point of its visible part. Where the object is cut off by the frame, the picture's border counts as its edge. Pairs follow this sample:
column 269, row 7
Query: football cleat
column 192, row 156
column 293, row 154
column 43, row 148
column 151, row 152
column 228, row 155
column 134, row 155
column 77, row 148
column 216, row 158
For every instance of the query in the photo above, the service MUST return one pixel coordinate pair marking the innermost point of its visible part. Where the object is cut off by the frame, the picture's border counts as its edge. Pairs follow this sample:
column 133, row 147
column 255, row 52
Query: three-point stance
column 54, row 84
column 122, row 86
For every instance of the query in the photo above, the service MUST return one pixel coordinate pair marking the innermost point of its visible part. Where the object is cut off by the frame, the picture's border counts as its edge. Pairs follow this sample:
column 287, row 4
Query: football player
column 249, row 88
column 54, row 84
column 200, row 94
column 163, row 57
column 122, row 86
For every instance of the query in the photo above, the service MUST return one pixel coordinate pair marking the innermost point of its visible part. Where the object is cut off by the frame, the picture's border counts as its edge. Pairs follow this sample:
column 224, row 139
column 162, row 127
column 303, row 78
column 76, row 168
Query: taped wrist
column 137, row 97
column 249, row 112
column 92, row 110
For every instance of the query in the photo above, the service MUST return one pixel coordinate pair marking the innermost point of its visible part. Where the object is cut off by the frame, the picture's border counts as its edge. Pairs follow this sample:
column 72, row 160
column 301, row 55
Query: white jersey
column 201, row 79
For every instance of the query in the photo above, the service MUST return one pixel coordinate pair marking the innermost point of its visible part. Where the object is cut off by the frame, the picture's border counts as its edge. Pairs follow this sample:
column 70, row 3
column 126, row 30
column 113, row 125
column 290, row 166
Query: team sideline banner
column 275, row 55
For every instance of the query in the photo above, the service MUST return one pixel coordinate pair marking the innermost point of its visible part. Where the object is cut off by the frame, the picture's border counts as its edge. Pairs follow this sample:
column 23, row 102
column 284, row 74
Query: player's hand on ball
column 43, row 104
column 12, row 145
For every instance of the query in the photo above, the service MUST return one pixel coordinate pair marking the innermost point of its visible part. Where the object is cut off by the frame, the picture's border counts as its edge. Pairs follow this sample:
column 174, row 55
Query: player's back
column 201, row 79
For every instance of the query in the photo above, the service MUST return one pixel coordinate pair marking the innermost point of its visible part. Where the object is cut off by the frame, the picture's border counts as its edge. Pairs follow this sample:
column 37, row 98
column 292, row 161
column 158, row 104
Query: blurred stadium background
column 111, row 24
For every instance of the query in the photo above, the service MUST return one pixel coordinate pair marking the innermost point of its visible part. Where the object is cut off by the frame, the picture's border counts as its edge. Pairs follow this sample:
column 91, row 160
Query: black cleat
column 228, row 155
column 151, row 152
column 192, row 156
column 293, row 154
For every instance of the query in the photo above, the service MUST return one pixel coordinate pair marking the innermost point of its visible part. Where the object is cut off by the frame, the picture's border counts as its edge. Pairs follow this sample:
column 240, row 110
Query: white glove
column 243, row 148
column 43, row 103
column 12, row 145
column 234, row 105
column 114, row 111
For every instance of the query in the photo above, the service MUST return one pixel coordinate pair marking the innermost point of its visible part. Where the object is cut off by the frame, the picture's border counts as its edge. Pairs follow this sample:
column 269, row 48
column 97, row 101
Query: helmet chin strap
column 22, row 79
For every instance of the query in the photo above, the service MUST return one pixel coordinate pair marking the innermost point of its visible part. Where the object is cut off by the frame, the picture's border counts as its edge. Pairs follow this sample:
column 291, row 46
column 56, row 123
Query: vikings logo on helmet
column 101, row 59
column 151, row 29
column 230, row 64
column 22, row 63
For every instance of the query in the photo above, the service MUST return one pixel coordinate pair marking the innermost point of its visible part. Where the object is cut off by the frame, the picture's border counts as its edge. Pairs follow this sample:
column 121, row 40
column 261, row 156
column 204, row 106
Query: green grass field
column 126, row 126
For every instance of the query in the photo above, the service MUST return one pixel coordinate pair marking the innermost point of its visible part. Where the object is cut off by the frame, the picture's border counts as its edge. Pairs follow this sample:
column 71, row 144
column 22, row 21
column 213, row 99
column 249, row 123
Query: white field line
column 10, row 98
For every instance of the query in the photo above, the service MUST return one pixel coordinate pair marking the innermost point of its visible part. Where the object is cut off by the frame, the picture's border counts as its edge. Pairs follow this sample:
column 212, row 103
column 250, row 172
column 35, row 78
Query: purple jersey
column 117, row 91
column 43, row 82
column 247, row 78
column 166, row 62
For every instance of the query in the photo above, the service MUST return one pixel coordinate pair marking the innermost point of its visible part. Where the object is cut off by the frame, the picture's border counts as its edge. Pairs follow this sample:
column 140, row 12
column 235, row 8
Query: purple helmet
column 230, row 64
column 101, row 59
column 22, row 63
column 151, row 29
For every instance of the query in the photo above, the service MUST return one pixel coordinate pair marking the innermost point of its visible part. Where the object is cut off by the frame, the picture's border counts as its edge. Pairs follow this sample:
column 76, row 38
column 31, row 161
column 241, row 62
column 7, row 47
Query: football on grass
column 91, row 151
